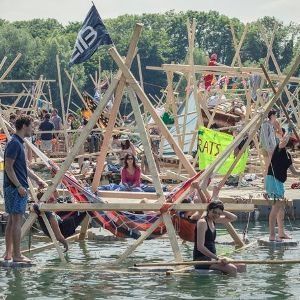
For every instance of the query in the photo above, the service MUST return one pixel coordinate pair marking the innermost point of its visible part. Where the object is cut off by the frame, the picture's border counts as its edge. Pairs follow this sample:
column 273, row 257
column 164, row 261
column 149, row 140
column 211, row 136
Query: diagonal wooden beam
column 113, row 114
column 149, row 107
column 10, row 67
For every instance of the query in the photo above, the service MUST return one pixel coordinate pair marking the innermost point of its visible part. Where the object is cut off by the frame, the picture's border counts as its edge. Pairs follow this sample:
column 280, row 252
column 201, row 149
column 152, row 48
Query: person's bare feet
column 285, row 237
column 21, row 259
column 7, row 256
column 273, row 239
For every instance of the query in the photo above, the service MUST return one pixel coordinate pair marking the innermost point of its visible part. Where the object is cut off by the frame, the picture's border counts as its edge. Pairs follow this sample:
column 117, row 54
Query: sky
column 75, row 10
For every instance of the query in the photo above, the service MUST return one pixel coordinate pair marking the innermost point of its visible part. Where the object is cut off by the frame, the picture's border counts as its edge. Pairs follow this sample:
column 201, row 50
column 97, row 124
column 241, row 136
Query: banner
column 92, row 34
column 210, row 144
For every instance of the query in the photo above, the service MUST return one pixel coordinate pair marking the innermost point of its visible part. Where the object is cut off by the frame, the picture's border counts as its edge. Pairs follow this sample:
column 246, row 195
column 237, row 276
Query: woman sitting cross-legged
column 205, row 235
column 130, row 175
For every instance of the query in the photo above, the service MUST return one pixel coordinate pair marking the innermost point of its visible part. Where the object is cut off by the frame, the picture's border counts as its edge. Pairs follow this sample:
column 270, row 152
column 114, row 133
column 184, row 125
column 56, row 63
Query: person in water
column 277, row 174
column 205, row 235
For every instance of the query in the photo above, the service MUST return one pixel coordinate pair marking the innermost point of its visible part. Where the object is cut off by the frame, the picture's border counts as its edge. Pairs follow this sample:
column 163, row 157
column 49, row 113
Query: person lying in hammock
column 205, row 236
column 281, row 161
column 53, row 219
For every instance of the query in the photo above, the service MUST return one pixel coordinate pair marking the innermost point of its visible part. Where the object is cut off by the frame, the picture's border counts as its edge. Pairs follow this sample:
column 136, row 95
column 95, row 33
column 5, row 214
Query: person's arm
column 123, row 177
column 137, row 179
column 132, row 149
column 10, row 172
column 201, row 229
column 37, row 179
column 284, row 141
column 294, row 170
column 226, row 217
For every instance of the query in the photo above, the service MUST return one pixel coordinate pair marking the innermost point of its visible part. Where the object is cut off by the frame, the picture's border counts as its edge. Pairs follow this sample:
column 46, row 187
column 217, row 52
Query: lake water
column 85, row 276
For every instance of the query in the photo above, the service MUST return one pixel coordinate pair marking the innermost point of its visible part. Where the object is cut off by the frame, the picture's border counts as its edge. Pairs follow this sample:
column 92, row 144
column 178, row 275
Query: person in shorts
column 46, row 137
column 15, row 186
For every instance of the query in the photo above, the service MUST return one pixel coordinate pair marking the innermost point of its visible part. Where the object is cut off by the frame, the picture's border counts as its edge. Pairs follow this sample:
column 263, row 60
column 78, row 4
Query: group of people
column 274, row 141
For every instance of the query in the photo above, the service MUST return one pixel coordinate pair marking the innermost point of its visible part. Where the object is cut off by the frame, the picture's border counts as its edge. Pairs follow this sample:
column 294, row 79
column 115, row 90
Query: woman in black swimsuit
column 205, row 235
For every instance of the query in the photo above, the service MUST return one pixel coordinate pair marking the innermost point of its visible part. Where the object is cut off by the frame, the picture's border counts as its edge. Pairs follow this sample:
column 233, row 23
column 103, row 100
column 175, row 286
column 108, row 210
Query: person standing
column 46, row 137
column 267, row 137
column 15, row 186
column 57, row 122
column 208, row 79
column 277, row 174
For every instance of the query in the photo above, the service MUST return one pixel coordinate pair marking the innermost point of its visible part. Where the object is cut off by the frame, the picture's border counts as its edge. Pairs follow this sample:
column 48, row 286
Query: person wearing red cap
column 209, row 77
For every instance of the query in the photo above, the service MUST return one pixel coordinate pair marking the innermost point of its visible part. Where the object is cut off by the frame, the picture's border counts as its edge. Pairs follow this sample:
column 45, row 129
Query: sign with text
column 210, row 144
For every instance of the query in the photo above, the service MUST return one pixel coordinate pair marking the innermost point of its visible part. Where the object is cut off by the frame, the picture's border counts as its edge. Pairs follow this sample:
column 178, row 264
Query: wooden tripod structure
column 125, row 80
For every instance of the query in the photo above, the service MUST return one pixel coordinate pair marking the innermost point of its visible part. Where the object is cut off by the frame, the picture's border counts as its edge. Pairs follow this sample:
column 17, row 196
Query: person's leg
column 229, row 269
column 280, row 222
column 16, row 238
column 8, row 239
column 272, row 220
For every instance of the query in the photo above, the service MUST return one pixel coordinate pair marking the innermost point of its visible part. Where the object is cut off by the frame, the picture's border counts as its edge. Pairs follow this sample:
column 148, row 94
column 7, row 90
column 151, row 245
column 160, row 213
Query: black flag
column 92, row 34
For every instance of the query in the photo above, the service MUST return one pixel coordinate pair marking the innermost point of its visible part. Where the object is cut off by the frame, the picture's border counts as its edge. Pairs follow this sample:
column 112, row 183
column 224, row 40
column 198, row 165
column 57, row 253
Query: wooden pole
column 140, row 70
column 10, row 67
column 208, row 263
column 3, row 62
column 149, row 107
column 279, row 101
column 78, row 144
column 62, row 103
column 53, row 238
column 154, row 172
column 113, row 114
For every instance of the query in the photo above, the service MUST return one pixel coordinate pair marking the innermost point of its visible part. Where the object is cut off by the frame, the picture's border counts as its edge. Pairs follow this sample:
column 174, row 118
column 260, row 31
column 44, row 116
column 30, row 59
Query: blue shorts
column 274, row 188
column 14, row 203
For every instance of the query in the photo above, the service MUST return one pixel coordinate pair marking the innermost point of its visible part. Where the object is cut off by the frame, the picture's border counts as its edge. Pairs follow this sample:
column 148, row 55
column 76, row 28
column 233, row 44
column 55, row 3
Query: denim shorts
column 14, row 203
column 274, row 188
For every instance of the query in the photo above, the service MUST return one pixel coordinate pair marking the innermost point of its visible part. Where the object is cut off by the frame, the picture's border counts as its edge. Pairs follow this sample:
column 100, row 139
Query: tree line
column 163, row 40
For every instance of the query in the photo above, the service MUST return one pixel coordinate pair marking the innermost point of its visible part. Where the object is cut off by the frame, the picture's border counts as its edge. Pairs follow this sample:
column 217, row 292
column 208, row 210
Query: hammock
column 122, row 224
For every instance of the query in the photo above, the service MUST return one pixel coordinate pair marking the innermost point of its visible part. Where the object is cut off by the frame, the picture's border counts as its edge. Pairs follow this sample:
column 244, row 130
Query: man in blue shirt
column 15, row 186
column 46, row 137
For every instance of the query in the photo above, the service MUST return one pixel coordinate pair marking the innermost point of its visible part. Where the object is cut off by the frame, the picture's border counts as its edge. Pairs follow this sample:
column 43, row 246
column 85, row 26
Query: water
column 85, row 276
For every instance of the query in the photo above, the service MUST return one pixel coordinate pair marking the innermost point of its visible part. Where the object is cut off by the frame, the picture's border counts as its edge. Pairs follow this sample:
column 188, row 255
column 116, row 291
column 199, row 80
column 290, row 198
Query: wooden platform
column 264, row 241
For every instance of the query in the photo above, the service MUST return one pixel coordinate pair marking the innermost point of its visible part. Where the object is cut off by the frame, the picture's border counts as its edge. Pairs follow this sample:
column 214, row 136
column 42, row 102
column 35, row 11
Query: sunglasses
column 215, row 212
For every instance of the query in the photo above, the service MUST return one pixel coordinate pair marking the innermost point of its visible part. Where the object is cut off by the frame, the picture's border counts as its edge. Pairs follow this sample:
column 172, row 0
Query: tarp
column 210, row 144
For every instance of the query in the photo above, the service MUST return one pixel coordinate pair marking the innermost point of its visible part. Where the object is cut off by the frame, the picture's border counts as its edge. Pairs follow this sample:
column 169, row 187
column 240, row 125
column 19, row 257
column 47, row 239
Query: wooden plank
column 137, row 206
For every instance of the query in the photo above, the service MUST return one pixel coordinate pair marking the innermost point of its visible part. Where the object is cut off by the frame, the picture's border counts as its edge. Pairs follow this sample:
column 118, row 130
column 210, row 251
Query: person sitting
column 46, row 137
column 130, row 175
column 205, row 235
column 239, row 108
column 281, row 161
